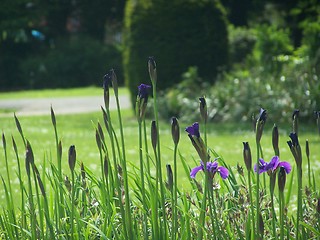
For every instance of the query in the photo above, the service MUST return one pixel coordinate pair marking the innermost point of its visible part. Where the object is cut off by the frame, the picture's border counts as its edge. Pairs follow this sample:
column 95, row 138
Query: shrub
column 178, row 34
column 74, row 63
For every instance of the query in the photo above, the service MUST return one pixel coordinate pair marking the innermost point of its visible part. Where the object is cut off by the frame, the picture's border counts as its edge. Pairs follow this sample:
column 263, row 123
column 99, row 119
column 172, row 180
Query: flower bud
column 260, row 124
column 29, row 158
column 4, row 141
column 175, row 130
column 169, row 176
column 247, row 156
column 53, row 118
column 295, row 148
column 152, row 69
column 106, row 94
column 72, row 157
column 98, row 140
column 318, row 206
column 307, row 148
column 203, row 109
column 154, row 135
column 295, row 117
column 281, row 179
column 275, row 140
column 114, row 82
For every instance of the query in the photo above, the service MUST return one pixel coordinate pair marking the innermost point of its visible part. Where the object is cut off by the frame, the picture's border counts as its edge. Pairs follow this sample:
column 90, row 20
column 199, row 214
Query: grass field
column 79, row 130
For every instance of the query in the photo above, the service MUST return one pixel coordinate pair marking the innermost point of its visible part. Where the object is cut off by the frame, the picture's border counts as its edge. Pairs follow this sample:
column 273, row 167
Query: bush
column 78, row 62
column 178, row 34
column 238, row 94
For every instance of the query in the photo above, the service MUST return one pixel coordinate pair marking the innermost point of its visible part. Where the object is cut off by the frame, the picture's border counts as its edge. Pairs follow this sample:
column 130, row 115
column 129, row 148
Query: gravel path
column 64, row 105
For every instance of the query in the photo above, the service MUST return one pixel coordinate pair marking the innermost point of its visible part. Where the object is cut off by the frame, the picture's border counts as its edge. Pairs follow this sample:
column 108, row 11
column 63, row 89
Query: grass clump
column 127, row 199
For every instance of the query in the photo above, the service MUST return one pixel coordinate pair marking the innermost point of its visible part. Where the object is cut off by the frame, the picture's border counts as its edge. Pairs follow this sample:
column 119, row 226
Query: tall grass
column 122, row 200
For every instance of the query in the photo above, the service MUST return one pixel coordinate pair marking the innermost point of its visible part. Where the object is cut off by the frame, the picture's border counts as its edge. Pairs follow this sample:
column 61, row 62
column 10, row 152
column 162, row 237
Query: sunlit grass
column 79, row 130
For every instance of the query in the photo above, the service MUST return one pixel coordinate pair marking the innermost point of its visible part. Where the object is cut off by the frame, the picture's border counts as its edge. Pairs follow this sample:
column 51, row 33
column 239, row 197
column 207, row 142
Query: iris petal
column 286, row 166
column 224, row 173
column 195, row 170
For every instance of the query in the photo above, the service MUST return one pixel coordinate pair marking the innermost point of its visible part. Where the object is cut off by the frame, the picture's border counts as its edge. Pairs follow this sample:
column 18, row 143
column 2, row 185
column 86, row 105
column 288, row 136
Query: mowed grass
column 79, row 130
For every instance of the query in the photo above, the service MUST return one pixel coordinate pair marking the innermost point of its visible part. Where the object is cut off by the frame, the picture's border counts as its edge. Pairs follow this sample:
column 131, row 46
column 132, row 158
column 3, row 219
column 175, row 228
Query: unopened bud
column 260, row 124
column 318, row 206
column 106, row 94
column 152, row 69
column 247, row 156
column 53, row 118
column 114, row 82
column 29, row 158
column 282, row 179
column 170, row 177
column 4, row 143
column 175, row 130
column 295, row 117
column 275, row 140
column 307, row 149
column 203, row 109
column 154, row 135
column 72, row 157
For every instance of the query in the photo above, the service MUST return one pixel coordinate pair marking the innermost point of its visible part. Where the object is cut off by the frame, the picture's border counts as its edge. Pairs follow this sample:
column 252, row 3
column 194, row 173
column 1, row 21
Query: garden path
column 61, row 105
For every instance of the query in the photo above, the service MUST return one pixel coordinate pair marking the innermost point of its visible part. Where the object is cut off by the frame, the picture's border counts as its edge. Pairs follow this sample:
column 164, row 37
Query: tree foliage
column 178, row 34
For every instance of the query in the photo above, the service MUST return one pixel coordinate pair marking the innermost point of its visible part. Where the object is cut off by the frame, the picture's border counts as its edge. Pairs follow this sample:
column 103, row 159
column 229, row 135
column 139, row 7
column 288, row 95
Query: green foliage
column 241, row 41
column 271, row 42
column 237, row 95
column 178, row 34
column 78, row 62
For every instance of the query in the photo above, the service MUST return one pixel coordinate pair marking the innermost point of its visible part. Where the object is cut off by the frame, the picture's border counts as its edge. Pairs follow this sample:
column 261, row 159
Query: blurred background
column 240, row 54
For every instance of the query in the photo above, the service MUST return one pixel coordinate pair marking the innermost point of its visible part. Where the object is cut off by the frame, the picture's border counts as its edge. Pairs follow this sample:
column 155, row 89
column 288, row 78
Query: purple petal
column 212, row 166
column 286, row 166
column 193, row 130
column 195, row 170
column 224, row 173
column 273, row 164
column 262, row 166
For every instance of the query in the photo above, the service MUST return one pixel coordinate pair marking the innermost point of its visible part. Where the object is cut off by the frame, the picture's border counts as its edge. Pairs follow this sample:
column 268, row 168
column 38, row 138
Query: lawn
column 79, row 130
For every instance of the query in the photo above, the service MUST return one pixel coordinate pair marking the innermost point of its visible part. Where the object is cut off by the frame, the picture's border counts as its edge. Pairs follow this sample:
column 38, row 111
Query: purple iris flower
column 272, row 166
column 193, row 130
column 143, row 91
column 212, row 168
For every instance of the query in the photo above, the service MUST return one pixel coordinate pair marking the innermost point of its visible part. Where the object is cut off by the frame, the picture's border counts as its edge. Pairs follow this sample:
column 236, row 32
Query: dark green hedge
column 178, row 34
column 73, row 63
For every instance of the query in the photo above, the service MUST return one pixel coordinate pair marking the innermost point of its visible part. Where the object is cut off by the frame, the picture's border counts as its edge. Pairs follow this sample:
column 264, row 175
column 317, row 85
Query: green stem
column 72, row 205
column 159, row 168
column 257, row 234
column 251, row 204
column 116, row 177
column 299, row 207
column 142, row 183
column 215, row 224
column 175, row 192
column 125, row 175
column 281, row 203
